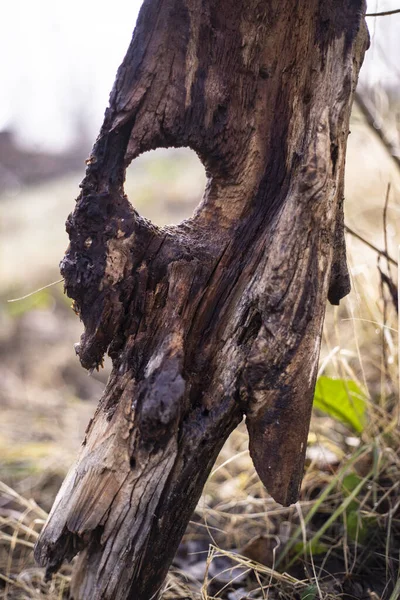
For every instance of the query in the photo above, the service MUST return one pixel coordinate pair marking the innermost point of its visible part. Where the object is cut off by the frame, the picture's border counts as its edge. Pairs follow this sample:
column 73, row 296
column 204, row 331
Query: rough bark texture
column 220, row 316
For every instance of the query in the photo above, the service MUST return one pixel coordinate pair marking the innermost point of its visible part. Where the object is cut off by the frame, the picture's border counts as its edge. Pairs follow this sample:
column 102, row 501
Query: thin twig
column 367, row 243
column 387, row 279
column 371, row 120
column 385, row 370
column 385, row 225
column 383, row 14
column 391, row 287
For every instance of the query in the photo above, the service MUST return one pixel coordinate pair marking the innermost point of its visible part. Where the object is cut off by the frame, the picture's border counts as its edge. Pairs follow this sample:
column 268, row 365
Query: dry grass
column 238, row 534
column 20, row 524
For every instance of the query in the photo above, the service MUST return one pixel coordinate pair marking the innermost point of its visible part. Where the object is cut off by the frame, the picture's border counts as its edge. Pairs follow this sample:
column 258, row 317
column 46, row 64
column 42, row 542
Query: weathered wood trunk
column 220, row 316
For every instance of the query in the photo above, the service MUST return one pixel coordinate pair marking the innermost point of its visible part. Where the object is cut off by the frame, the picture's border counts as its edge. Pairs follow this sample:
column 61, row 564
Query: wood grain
column 219, row 317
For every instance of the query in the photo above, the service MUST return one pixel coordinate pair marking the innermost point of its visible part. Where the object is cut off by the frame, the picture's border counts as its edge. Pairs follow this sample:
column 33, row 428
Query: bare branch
column 367, row 243
column 384, row 14
column 371, row 120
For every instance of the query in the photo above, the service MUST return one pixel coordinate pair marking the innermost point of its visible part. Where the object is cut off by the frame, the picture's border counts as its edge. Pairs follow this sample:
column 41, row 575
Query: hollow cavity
column 166, row 185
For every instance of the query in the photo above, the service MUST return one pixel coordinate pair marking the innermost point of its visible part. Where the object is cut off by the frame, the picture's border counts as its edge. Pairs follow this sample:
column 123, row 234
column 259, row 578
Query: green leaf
column 341, row 399
column 310, row 593
column 356, row 527
column 350, row 482
column 313, row 547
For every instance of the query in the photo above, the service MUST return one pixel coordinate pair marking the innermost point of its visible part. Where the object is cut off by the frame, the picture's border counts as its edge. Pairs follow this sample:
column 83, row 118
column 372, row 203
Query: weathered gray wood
column 220, row 316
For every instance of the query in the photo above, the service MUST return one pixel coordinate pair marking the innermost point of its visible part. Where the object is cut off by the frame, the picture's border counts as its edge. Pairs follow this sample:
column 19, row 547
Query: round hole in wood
column 166, row 185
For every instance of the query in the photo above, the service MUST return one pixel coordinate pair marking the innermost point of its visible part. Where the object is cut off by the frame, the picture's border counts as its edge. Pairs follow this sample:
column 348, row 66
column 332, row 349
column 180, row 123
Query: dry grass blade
column 20, row 521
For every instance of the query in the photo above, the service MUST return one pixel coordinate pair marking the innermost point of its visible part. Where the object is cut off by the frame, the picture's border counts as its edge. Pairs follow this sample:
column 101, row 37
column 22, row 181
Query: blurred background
column 58, row 66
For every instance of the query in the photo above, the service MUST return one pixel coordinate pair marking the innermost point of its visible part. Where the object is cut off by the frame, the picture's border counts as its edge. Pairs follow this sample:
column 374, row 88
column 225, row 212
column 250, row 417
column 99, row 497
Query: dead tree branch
column 219, row 316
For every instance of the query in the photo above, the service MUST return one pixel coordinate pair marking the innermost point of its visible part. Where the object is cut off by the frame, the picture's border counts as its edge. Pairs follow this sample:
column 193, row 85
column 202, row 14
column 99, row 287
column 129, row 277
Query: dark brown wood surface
column 219, row 317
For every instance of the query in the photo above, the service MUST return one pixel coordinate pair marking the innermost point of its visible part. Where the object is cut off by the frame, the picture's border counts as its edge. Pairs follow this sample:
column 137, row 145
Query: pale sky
column 59, row 60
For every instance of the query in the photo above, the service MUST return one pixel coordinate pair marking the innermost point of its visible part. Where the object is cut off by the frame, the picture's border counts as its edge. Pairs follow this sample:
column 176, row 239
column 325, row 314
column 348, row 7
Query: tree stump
column 219, row 317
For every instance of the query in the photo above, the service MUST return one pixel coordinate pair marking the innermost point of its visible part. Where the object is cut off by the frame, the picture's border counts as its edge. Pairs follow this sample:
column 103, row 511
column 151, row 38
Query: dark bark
column 220, row 316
